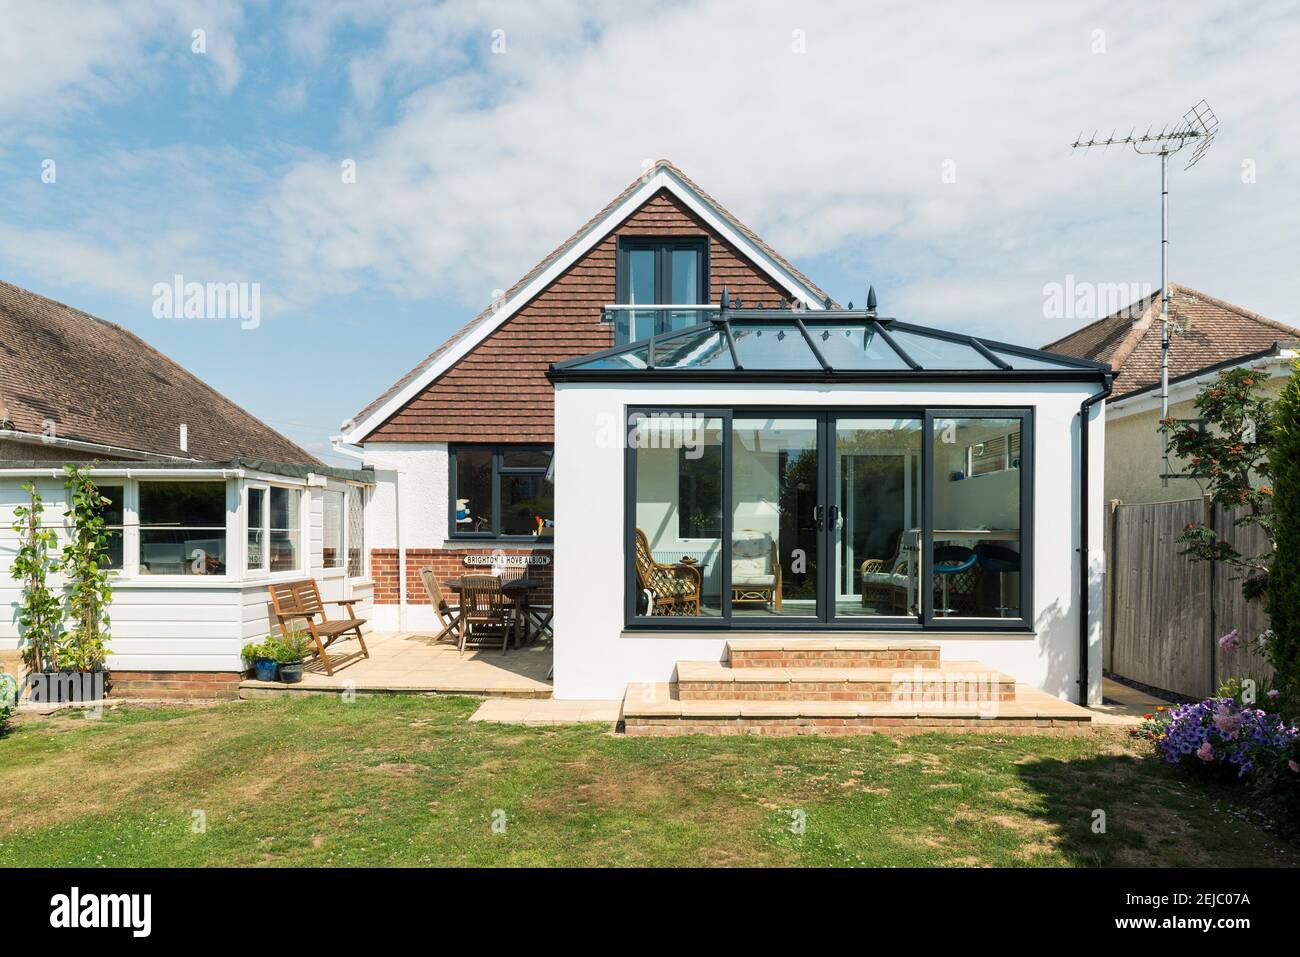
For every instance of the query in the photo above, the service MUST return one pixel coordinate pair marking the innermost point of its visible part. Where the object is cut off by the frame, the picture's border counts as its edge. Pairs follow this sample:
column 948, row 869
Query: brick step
column 952, row 682
column 789, row 652
column 656, row 709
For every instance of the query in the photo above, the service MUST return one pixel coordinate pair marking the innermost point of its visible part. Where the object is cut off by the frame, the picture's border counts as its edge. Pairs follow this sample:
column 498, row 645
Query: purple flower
column 1204, row 752
column 1231, row 640
column 1273, row 693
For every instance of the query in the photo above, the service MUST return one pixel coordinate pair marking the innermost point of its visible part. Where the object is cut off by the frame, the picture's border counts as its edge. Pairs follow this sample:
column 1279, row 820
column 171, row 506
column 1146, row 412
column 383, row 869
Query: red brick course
column 178, row 685
column 446, row 563
column 786, row 727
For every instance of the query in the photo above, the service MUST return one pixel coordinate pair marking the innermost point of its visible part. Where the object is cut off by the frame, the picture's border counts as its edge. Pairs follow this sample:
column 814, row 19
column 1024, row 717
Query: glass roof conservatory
column 793, row 345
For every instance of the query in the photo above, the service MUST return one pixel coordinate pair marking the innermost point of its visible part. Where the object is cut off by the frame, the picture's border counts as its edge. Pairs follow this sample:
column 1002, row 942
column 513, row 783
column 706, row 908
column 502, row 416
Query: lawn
column 408, row 781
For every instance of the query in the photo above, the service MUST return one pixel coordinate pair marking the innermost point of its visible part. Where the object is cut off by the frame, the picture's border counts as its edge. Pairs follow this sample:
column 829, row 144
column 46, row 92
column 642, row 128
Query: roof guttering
column 59, row 442
column 1138, row 400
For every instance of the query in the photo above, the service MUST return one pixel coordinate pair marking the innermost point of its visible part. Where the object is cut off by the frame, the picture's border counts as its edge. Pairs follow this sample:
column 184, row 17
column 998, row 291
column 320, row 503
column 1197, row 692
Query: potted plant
column 265, row 658
column 290, row 652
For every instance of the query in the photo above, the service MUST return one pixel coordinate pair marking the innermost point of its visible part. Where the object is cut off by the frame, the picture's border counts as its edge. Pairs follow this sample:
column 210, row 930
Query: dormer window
column 660, row 272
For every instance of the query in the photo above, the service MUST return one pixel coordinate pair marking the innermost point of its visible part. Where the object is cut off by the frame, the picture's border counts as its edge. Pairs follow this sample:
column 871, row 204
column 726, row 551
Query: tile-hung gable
column 487, row 383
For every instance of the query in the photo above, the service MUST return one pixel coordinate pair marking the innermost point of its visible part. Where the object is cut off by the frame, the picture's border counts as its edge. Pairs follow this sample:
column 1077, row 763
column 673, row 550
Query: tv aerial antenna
column 1197, row 128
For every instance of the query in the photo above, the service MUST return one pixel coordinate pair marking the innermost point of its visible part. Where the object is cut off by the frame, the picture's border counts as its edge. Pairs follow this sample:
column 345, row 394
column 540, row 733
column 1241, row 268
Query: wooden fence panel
column 1159, row 635
column 1231, row 610
column 1165, row 613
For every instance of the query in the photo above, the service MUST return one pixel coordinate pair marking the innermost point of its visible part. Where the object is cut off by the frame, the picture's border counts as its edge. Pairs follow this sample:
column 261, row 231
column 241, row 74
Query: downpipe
column 1084, row 532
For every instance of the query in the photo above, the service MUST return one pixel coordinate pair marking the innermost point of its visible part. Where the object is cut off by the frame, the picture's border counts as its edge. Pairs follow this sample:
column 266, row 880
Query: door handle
column 819, row 520
column 834, row 517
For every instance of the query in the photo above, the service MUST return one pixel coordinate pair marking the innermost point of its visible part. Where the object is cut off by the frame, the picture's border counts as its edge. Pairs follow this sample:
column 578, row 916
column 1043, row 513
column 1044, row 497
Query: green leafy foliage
column 286, row 650
column 83, row 563
column 39, row 613
column 1284, row 580
column 1230, row 457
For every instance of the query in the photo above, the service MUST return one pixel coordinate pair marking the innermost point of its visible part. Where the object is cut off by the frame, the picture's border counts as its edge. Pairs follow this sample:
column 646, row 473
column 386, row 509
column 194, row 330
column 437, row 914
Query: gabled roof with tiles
column 99, row 383
column 663, row 175
column 1204, row 331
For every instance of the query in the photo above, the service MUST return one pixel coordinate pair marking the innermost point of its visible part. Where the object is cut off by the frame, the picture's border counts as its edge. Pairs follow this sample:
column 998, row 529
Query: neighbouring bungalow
column 209, row 505
column 1206, row 336
column 714, row 465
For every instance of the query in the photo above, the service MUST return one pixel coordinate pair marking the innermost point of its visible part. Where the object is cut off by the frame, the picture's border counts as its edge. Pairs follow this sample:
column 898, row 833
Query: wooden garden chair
column 485, row 612
column 674, row 589
column 300, row 601
column 448, row 615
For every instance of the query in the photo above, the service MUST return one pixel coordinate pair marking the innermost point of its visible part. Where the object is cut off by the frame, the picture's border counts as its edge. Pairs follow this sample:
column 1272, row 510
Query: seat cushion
column 750, row 580
column 884, row 578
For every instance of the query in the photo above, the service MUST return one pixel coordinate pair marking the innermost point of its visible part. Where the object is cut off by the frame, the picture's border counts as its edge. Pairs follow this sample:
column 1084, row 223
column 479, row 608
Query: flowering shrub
column 1221, row 734
column 1153, row 726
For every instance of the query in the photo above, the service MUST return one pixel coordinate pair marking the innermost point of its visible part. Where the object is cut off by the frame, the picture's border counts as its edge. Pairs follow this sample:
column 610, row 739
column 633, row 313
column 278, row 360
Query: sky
column 379, row 167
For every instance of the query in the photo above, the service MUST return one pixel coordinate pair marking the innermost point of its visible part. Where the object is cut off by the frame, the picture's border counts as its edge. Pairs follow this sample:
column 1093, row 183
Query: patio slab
column 414, row 664
column 1124, row 706
column 544, row 712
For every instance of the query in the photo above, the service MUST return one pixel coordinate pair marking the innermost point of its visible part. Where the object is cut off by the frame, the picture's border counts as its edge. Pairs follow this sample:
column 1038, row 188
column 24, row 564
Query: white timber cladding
column 596, row 658
column 182, row 622
column 660, row 178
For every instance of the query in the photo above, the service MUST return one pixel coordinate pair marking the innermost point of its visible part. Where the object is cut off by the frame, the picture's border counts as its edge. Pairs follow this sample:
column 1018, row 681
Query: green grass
column 408, row 781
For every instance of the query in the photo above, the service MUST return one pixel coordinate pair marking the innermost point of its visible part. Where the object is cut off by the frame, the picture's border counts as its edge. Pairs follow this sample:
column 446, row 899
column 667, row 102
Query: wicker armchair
column 755, row 569
column 674, row 589
column 884, row 589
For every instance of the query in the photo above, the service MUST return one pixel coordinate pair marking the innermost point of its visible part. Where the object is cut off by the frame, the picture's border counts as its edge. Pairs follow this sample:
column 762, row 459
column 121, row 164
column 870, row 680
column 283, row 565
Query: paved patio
column 413, row 664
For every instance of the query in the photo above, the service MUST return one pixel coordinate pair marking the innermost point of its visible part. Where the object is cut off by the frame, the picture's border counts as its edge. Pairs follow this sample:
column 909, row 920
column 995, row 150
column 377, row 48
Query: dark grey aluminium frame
column 497, row 449
column 826, row 620
column 663, row 275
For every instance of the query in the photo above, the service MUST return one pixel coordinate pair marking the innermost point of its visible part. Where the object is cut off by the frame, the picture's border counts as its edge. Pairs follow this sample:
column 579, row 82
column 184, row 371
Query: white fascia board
column 1185, row 389
column 662, row 179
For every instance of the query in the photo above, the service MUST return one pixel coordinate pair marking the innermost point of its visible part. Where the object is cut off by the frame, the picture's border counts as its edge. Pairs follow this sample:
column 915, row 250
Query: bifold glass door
column 751, row 518
column 778, row 516
column 876, row 486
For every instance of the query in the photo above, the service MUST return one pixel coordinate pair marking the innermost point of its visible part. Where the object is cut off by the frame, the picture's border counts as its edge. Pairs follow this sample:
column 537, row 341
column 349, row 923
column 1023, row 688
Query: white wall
column 595, row 658
column 423, row 471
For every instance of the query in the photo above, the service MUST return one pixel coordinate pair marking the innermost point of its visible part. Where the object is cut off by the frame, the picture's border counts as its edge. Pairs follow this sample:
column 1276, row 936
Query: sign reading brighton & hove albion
column 507, row 561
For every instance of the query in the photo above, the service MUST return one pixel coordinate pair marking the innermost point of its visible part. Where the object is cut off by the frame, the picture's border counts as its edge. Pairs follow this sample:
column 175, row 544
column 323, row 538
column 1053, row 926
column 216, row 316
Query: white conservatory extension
column 194, row 546
column 805, row 474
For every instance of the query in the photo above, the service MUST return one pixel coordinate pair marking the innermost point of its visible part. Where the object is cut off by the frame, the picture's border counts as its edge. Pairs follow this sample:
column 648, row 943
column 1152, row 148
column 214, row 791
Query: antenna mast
column 1198, row 125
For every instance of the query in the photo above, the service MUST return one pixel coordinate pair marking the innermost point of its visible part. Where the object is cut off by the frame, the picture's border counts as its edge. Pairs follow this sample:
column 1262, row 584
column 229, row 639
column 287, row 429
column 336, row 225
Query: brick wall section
column 446, row 563
column 499, row 391
column 175, row 685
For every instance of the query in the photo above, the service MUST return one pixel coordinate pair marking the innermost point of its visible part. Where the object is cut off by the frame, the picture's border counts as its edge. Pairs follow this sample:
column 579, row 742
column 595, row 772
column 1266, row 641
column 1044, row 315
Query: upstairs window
column 651, row 272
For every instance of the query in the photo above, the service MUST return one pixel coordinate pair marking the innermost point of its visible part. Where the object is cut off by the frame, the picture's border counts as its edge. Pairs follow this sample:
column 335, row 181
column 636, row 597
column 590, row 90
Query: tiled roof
column 559, row 251
column 1204, row 331
column 100, row 383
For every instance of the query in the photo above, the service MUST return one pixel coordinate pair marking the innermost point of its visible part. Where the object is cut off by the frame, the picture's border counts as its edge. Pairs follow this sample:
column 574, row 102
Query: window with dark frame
column 659, row 271
column 971, row 556
column 501, row 491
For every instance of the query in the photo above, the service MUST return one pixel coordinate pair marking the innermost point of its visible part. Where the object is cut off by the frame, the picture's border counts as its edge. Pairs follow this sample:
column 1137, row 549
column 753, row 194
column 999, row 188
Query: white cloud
column 488, row 167
column 61, row 58
column 472, row 165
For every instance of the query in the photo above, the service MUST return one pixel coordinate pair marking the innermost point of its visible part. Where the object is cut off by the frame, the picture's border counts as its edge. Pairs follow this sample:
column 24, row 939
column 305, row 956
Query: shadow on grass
column 1135, row 811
